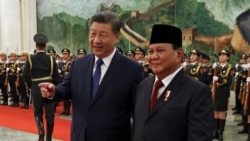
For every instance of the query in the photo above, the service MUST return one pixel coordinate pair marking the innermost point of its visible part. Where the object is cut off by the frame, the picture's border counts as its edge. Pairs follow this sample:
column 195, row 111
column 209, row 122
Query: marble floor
column 230, row 133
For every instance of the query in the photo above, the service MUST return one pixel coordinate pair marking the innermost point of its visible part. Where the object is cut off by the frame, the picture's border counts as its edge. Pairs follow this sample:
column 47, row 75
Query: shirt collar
column 107, row 60
column 169, row 78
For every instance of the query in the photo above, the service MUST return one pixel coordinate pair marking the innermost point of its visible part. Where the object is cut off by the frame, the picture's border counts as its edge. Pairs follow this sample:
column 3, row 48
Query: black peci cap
column 166, row 34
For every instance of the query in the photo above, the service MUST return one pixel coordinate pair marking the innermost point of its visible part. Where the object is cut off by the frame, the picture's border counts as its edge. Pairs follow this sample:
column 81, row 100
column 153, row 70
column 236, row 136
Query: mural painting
column 207, row 25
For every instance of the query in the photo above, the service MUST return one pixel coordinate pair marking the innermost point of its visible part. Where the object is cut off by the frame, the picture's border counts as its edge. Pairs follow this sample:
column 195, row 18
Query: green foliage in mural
column 66, row 31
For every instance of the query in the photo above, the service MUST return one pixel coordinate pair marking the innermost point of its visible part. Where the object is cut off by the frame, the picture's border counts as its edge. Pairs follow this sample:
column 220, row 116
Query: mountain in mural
column 226, row 10
column 84, row 8
column 66, row 22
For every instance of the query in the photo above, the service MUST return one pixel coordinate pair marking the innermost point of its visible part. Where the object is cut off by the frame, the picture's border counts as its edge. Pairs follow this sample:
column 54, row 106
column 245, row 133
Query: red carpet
column 23, row 119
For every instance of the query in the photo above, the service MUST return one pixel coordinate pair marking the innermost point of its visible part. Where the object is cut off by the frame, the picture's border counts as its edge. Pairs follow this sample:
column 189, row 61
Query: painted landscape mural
column 207, row 25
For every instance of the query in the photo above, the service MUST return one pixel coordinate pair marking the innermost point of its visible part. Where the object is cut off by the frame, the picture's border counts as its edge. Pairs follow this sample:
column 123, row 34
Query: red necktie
column 157, row 86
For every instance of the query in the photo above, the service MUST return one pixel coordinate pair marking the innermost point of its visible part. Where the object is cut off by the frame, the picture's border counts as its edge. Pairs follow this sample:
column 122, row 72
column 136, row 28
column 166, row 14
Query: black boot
column 39, row 124
column 248, row 128
column 25, row 102
column 50, row 127
column 67, row 109
column 244, row 121
column 216, row 127
column 221, row 129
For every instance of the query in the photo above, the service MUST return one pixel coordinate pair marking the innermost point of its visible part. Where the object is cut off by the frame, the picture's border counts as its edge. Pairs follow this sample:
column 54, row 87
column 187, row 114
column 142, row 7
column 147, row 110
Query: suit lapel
column 88, row 76
column 147, row 92
column 173, row 87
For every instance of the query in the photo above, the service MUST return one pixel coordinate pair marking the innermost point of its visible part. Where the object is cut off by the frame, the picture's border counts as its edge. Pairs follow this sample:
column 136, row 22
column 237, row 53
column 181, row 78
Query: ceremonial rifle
column 214, row 87
column 7, row 74
column 18, row 74
column 247, row 92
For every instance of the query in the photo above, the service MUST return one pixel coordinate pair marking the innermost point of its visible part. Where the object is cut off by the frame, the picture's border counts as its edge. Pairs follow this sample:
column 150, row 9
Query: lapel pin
column 167, row 94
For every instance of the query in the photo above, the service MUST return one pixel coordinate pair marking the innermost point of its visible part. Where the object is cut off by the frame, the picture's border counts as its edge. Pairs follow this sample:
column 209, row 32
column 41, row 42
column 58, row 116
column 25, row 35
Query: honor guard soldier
column 222, row 79
column 240, row 73
column 120, row 50
column 194, row 67
column 52, row 52
column 246, row 107
column 206, row 69
column 41, row 67
column 186, row 61
column 81, row 52
column 131, row 54
column 139, row 57
column 3, row 87
column 65, row 66
column 243, row 90
column 11, row 78
column 22, row 88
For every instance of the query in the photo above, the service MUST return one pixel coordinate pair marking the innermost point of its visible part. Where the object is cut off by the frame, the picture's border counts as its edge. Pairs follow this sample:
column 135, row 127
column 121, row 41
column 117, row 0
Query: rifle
column 236, row 77
column 241, row 91
column 18, row 75
column 7, row 74
column 247, row 92
column 214, row 87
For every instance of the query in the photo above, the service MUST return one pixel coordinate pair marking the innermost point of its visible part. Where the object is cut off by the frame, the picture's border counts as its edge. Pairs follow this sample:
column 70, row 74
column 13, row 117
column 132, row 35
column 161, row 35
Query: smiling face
column 163, row 59
column 102, row 40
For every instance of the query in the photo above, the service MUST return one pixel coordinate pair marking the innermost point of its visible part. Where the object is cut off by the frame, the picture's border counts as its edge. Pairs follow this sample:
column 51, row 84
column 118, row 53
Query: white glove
column 236, row 74
column 18, row 69
column 59, row 71
column 244, row 66
column 248, row 65
column 248, row 79
column 236, row 65
column 184, row 64
column 215, row 65
column 7, row 69
column 215, row 78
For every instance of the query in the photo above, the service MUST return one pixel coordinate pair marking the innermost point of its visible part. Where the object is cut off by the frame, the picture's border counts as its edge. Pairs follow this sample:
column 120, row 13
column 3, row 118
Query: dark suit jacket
column 107, row 116
column 187, row 115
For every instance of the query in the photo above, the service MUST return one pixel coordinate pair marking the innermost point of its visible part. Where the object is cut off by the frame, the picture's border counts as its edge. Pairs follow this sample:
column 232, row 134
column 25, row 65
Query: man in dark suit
column 41, row 67
column 104, row 115
column 180, row 109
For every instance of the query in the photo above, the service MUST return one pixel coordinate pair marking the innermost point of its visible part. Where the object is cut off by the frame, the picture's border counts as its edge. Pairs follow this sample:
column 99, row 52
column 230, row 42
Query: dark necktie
column 157, row 86
column 96, row 77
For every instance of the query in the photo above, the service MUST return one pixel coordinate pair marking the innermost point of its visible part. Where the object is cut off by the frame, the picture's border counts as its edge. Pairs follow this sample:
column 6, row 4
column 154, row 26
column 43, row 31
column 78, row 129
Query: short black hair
column 108, row 17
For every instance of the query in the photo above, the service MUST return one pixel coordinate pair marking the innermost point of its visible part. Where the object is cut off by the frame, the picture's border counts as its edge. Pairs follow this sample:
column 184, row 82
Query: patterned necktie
column 157, row 86
column 96, row 77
